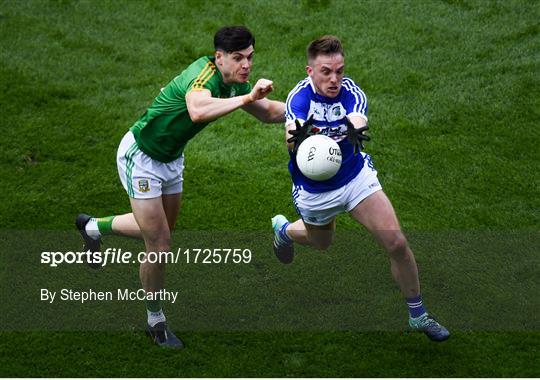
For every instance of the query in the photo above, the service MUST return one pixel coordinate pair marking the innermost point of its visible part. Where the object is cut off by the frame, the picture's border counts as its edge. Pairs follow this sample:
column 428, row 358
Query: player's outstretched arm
column 203, row 107
column 266, row 110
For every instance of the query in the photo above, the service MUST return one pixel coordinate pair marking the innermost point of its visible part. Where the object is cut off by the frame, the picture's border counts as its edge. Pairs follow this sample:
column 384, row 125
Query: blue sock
column 416, row 308
column 283, row 234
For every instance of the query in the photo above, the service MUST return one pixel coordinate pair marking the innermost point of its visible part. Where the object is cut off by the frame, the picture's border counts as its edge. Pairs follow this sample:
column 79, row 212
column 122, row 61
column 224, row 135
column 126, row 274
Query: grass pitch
column 453, row 91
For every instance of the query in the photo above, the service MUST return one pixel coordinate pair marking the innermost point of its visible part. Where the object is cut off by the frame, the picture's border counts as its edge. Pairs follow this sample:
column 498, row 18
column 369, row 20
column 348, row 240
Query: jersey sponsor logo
column 144, row 186
column 337, row 132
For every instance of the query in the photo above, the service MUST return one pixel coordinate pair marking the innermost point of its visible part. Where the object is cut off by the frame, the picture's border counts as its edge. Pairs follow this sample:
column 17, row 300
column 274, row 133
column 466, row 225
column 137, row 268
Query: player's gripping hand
column 356, row 135
column 301, row 132
column 261, row 89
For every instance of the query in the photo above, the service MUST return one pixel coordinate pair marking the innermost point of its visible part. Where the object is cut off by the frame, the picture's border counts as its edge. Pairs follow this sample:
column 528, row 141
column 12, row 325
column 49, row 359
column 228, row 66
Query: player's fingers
column 266, row 90
column 264, row 83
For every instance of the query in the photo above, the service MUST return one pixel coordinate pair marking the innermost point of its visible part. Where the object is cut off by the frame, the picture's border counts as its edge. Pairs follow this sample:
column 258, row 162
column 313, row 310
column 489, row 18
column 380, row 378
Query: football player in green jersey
column 150, row 157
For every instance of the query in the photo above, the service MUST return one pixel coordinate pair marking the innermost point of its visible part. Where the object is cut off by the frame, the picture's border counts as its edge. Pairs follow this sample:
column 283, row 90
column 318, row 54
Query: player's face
column 326, row 72
column 236, row 66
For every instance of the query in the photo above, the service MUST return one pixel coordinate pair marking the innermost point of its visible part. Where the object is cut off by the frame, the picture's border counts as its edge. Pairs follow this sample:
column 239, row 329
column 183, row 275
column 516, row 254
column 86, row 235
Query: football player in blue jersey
column 328, row 102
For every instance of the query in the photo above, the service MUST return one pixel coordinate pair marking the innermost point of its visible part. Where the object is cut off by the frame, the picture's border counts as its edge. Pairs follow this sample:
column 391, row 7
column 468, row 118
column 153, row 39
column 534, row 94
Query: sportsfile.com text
column 181, row 256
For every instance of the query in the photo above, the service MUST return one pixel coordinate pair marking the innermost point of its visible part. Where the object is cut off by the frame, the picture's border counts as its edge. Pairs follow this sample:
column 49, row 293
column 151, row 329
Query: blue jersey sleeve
column 354, row 99
column 298, row 102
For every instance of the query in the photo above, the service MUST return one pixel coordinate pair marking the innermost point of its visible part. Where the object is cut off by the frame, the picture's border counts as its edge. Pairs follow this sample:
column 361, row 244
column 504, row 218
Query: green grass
column 453, row 90
column 272, row 355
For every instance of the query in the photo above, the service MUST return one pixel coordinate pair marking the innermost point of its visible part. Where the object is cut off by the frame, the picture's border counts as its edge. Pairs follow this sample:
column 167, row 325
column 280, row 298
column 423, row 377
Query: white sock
column 92, row 229
column 155, row 317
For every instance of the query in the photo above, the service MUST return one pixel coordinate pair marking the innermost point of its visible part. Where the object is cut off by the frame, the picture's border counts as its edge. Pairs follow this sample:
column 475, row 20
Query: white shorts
column 142, row 176
column 320, row 209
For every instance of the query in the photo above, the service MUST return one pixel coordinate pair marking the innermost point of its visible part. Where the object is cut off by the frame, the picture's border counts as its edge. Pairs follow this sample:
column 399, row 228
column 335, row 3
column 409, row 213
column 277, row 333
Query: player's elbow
column 278, row 112
column 273, row 112
column 195, row 115
column 278, row 118
column 195, row 108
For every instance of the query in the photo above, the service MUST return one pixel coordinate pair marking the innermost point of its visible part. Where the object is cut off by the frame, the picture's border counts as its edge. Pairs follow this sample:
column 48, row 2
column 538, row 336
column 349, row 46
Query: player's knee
column 397, row 246
column 322, row 242
column 322, row 246
column 159, row 241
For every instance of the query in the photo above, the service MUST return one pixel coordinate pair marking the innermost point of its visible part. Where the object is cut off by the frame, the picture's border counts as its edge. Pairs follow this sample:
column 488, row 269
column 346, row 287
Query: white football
column 318, row 157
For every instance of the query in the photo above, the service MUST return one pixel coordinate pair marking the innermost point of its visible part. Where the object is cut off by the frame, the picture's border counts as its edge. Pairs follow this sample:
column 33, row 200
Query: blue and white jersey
column 328, row 113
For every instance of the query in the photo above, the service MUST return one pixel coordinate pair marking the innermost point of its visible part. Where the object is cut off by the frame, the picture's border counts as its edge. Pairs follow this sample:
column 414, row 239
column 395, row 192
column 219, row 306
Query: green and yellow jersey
column 163, row 131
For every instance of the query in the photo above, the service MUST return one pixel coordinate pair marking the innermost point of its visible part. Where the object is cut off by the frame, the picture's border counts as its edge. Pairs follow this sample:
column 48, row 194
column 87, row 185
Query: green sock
column 105, row 225
column 153, row 306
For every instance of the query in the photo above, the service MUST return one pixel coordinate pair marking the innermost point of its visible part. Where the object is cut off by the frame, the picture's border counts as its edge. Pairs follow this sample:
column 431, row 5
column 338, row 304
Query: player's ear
column 219, row 57
column 309, row 70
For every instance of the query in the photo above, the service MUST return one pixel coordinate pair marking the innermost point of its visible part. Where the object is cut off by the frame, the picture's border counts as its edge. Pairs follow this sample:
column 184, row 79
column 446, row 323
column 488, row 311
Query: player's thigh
column 171, row 205
column 172, row 174
column 377, row 214
column 152, row 219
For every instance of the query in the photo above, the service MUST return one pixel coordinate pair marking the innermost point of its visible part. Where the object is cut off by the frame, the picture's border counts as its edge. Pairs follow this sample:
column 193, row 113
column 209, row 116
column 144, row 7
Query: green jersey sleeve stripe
column 206, row 73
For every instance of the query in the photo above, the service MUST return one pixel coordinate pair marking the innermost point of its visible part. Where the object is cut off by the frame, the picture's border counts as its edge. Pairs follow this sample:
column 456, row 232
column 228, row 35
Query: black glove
column 356, row 136
column 301, row 132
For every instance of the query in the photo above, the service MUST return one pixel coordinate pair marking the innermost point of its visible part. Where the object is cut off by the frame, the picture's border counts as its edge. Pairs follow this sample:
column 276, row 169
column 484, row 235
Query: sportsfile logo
column 119, row 256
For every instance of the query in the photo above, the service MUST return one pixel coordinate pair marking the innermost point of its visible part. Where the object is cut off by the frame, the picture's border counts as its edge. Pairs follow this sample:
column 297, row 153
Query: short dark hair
column 326, row 45
column 233, row 38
